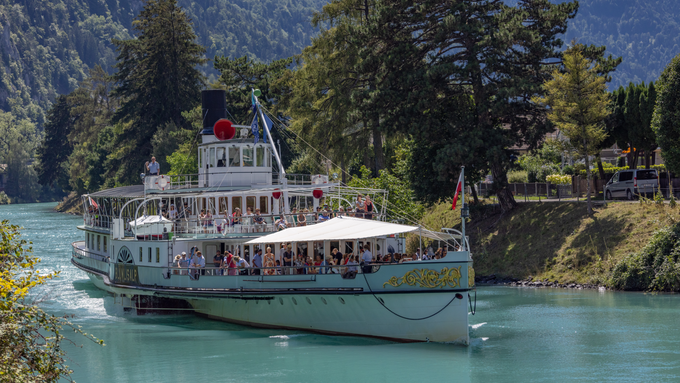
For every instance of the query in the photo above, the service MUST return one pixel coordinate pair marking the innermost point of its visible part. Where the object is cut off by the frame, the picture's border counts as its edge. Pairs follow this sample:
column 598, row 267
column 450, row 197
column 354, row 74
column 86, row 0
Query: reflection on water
column 516, row 335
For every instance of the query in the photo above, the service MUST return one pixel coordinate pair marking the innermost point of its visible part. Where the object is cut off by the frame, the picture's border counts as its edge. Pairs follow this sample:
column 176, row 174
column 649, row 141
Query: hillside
column 48, row 46
column 557, row 241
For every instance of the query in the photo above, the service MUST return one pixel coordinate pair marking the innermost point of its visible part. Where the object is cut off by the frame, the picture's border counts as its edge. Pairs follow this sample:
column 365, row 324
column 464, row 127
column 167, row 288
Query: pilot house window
column 247, row 156
column 259, row 158
column 235, row 156
column 221, row 157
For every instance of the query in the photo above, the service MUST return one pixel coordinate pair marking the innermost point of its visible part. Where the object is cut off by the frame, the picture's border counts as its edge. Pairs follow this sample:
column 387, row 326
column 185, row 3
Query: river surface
column 519, row 335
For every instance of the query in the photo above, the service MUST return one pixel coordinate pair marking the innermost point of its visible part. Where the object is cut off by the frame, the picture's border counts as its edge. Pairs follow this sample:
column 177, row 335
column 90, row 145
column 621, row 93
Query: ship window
column 99, row 238
column 236, row 203
column 264, row 205
column 200, row 159
column 223, row 209
column 250, row 203
column 235, row 156
column 212, row 157
column 158, row 255
column 269, row 158
column 149, row 254
column 247, row 156
column 221, row 157
column 141, row 254
column 259, row 158
column 105, row 247
column 87, row 241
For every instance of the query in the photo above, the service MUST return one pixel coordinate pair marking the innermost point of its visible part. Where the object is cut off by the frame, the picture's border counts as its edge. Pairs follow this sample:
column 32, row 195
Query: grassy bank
column 70, row 204
column 557, row 241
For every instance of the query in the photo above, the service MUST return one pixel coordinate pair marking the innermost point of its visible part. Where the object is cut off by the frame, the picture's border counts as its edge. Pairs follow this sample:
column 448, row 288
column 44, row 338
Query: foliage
column 558, row 179
column 31, row 339
column 4, row 199
column 55, row 149
column 518, row 177
column 607, row 169
column 401, row 202
column 483, row 59
column 543, row 162
column 568, row 169
column 578, row 106
column 666, row 122
column 645, row 33
column 18, row 141
column 655, row 268
column 157, row 80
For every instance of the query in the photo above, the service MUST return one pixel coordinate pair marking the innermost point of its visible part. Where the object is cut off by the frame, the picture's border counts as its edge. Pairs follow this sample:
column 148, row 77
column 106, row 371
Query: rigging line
column 288, row 133
column 186, row 160
column 401, row 316
column 400, row 213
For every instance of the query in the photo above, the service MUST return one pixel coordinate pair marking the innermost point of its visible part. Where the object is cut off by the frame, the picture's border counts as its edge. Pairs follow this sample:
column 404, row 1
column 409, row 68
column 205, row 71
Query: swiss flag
column 94, row 204
column 458, row 189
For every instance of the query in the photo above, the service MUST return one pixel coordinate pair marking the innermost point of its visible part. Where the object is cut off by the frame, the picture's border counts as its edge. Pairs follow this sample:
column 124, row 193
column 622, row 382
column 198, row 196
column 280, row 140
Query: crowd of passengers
column 363, row 208
column 290, row 262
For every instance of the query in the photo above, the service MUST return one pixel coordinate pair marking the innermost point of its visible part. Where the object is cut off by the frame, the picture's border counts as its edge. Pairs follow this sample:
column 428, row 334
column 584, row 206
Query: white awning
column 339, row 228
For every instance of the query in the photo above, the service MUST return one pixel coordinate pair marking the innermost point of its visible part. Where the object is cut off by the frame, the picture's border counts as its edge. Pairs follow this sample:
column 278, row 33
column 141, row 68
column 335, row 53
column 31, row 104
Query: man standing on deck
column 198, row 262
column 368, row 259
column 153, row 167
column 257, row 262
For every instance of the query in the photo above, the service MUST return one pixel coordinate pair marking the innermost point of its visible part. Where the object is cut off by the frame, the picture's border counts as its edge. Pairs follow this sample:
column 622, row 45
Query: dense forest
column 52, row 48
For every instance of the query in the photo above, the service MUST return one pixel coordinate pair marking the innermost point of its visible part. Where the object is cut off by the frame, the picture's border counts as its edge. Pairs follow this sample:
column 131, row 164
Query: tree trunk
column 378, row 151
column 636, row 155
column 601, row 169
column 648, row 159
column 474, row 194
column 589, row 177
column 500, row 180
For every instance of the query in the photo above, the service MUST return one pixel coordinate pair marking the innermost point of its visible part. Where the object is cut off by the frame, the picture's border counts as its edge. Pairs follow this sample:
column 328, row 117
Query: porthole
column 281, row 301
column 341, row 300
column 294, row 301
column 309, row 300
column 324, row 301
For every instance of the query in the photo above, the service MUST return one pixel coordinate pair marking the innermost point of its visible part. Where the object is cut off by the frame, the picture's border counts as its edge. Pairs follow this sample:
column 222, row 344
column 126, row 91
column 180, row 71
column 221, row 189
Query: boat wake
column 476, row 326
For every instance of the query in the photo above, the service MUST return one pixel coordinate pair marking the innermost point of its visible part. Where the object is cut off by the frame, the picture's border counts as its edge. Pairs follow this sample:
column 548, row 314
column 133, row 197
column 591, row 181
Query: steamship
column 132, row 234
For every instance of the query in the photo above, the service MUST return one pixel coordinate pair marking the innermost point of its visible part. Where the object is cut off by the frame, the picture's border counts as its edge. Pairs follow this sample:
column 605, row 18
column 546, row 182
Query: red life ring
column 162, row 182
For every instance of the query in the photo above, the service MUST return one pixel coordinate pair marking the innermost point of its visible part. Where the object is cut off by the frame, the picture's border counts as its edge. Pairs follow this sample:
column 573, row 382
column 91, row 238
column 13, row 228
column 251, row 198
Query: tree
column 157, row 80
column 579, row 104
column 18, row 141
column 31, row 339
column 55, row 148
column 665, row 121
column 645, row 138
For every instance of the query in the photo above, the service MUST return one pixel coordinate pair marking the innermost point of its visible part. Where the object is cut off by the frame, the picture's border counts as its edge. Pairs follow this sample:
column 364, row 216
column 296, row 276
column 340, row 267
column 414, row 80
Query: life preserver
column 162, row 182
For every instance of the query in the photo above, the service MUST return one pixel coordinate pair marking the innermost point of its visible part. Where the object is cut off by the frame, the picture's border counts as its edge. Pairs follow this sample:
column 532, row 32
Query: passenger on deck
column 445, row 250
column 257, row 262
column 367, row 257
column 294, row 217
column 352, row 268
column 197, row 262
column 288, row 259
column 258, row 219
column 368, row 206
column 242, row 265
column 218, row 259
column 236, row 217
column 153, row 167
column 176, row 263
column 269, row 262
column 301, row 220
column 281, row 223
column 324, row 216
column 184, row 263
column 278, row 268
column 359, row 207
column 337, row 255
column 172, row 213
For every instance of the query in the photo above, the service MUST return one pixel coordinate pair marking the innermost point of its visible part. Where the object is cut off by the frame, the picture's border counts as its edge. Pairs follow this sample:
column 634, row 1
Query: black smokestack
column 214, row 102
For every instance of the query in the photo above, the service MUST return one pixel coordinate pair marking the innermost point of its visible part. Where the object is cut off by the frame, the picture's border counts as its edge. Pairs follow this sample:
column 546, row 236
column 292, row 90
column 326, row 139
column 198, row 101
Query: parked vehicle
column 631, row 183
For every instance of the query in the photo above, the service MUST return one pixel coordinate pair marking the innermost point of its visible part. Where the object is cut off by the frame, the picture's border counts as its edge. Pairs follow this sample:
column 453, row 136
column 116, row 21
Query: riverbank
column 556, row 244
column 71, row 204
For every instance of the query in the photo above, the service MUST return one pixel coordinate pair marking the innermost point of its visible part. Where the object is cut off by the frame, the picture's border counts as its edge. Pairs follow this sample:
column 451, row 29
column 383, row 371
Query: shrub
column 655, row 267
column 557, row 179
column 568, row 170
column 4, row 199
column 518, row 177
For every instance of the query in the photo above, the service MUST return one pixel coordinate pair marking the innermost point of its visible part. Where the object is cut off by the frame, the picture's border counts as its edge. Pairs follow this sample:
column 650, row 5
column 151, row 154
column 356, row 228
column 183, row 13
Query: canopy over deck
column 339, row 228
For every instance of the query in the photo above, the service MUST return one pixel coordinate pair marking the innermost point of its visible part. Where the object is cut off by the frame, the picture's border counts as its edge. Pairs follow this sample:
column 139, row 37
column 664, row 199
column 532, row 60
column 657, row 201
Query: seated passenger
column 281, row 223
column 301, row 220
column 324, row 216
column 259, row 220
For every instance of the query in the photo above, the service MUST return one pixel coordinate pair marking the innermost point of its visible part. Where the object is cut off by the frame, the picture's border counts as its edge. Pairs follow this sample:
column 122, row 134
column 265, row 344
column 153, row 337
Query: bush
column 557, row 179
column 518, row 177
column 4, row 199
column 655, row 268
column 568, row 170
column 608, row 170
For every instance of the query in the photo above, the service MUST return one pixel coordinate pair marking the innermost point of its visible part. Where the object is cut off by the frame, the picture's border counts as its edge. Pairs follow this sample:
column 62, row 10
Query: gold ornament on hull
column 471, row 276
column 431, row 279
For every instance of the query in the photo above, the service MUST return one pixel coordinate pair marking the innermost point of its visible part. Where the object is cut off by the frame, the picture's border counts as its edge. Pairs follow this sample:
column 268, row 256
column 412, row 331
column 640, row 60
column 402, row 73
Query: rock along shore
column 490, row 280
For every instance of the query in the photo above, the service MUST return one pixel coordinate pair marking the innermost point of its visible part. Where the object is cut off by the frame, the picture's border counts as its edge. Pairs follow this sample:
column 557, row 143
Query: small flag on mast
column 458, row 189
column 92, row 203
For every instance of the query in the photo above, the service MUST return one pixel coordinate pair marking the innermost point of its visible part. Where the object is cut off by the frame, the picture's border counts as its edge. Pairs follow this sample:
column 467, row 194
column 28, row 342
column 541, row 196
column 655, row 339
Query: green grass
column 556, row 241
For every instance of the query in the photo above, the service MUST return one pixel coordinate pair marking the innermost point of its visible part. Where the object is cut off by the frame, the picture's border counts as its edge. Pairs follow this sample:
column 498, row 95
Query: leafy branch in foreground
column 30, row 339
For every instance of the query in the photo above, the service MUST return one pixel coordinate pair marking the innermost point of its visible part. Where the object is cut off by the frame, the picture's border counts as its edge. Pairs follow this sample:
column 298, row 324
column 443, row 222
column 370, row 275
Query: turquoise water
column 527, row 335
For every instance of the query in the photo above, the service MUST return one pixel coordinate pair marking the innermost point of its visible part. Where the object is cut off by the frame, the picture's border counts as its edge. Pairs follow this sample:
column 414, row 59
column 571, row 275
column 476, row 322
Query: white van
column 631, row 183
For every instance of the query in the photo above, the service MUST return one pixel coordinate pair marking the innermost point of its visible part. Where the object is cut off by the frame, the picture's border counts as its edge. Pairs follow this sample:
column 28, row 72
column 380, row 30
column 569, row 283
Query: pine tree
column 665, row 121
column 157, row 80
column 579, row 104
column 55, row 148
